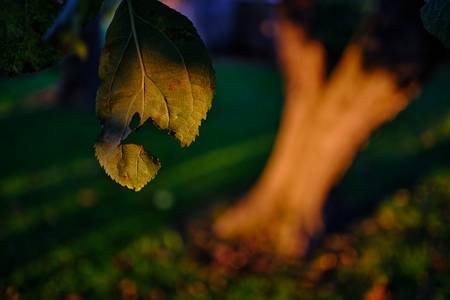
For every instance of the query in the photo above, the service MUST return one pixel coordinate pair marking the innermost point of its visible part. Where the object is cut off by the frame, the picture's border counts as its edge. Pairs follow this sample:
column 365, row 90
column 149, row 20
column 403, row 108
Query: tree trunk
column 324, row 124
column 80, row 80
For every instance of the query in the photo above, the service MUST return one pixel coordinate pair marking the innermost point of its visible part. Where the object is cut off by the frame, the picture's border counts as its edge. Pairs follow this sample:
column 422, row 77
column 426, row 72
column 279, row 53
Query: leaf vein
column 141, row 61
column 174, row 47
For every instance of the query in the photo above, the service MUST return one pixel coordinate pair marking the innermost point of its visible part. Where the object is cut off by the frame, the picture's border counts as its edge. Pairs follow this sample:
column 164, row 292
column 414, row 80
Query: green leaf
column 436, row 19
column 153, row 66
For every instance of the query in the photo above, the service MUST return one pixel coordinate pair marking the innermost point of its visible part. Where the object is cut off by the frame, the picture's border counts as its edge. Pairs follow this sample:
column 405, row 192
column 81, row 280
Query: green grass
column 66, row 228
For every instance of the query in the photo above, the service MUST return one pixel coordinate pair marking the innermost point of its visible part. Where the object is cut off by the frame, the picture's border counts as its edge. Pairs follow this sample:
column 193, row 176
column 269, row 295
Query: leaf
column 153, row 66
column 436, row 19
column 128, row 164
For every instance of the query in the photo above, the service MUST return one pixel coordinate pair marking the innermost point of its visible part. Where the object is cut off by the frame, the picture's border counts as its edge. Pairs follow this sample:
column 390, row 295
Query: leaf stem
column 141, row 60
column 136, row 42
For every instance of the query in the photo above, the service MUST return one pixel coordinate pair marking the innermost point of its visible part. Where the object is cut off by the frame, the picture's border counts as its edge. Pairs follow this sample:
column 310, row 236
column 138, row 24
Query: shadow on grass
column 66, row 228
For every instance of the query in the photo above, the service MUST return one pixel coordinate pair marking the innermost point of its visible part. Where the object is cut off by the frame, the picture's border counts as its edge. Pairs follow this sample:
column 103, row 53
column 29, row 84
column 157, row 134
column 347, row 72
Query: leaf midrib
column 132, row 14
column 180, row 55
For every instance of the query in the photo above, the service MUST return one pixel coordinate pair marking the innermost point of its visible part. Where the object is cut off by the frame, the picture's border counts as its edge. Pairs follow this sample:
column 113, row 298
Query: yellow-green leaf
column 128, row 164
column 154, row 66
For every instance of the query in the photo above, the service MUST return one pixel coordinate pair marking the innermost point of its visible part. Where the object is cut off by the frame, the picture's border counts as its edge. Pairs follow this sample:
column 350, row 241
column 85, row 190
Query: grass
column 68, row 232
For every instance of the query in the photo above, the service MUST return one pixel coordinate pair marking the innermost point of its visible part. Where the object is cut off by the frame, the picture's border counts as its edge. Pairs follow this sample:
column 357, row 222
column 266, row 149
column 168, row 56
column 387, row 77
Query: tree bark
column 324, row 124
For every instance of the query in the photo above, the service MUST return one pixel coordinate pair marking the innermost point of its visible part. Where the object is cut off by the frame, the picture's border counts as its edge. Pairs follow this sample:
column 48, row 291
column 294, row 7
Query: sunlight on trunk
column 324, row 124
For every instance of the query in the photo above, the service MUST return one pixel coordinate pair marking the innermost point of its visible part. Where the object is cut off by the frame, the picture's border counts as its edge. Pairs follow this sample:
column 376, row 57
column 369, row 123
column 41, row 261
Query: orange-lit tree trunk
column 324, row 124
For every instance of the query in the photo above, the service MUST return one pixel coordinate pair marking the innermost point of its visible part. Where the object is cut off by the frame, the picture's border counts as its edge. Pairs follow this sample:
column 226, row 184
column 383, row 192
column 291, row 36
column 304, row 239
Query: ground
column 68, row 232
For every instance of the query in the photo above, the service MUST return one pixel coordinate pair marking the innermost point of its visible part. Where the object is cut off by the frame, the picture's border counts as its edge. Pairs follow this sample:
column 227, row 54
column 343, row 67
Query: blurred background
column 69, row 232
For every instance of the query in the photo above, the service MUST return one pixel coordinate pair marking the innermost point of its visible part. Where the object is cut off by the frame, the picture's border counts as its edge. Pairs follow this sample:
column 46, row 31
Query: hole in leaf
column 135, row 121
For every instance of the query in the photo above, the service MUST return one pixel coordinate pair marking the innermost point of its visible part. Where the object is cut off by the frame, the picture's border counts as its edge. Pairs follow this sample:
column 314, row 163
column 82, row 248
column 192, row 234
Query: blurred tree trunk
column 327, row 119
column 80, row 80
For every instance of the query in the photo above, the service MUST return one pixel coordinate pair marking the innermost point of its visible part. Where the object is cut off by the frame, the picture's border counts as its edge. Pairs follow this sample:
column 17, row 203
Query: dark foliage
column 394, row 38
column 22, row 25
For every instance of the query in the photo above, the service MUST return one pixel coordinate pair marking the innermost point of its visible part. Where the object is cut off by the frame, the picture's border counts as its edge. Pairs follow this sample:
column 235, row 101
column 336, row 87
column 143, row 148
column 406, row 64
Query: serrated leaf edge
column 135, row 189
